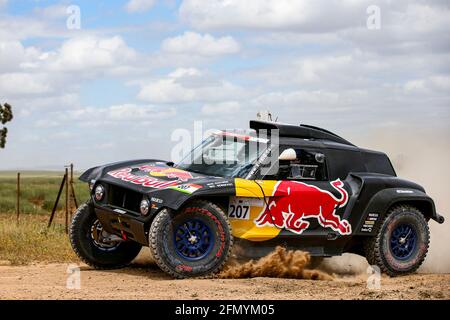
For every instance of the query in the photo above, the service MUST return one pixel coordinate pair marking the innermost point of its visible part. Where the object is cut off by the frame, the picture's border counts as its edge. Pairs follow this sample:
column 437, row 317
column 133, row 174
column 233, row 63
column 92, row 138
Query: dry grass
column 38, row 191
column 31, row 241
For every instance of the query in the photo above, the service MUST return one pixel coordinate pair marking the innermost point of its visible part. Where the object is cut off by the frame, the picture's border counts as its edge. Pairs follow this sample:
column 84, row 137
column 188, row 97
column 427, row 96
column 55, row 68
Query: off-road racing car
column 322, row 194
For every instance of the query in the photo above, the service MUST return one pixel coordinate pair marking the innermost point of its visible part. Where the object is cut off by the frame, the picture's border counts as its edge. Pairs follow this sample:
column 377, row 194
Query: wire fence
column 44, row 193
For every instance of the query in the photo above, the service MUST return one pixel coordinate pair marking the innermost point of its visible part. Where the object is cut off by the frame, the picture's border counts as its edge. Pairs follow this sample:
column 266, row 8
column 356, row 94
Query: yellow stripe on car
column 248, row 191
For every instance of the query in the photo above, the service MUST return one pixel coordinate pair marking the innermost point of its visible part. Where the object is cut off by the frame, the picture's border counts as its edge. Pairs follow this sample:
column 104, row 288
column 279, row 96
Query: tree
column 6, row 115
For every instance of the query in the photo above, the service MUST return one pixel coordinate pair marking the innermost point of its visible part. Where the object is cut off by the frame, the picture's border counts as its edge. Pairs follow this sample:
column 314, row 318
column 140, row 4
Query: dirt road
column 48, row 281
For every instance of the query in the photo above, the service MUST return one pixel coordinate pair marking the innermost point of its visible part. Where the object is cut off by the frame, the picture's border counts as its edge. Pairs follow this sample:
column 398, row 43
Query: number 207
column 239, row 211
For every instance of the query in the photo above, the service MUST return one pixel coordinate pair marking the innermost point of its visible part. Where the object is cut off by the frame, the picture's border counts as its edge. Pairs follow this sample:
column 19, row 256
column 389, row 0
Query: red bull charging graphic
column 292, row 202
column 125, row 174
column 171, row 173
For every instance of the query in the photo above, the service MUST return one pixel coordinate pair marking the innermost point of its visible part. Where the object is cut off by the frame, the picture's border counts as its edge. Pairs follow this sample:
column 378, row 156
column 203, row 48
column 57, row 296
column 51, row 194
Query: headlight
column 145, row 205
column 99, row 192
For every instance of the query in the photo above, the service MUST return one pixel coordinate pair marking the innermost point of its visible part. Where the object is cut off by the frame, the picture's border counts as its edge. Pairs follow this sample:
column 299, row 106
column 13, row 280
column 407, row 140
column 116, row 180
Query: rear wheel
column 194, row 242
column 401, row 243
column 95, row 246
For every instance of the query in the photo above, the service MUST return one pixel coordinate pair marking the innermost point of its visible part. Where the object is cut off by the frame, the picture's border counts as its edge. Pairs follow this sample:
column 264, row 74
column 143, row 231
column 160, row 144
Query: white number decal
column 239, row 209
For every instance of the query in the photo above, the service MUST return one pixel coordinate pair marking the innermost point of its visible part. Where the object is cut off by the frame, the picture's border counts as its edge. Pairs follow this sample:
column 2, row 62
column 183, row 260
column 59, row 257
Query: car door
column 304, row 200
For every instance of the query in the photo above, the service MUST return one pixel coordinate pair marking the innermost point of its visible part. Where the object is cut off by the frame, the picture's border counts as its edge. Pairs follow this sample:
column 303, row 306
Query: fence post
column 73, row 196
column 18, row 197
column 55, row 206
column 71, row 200
column 67, row 201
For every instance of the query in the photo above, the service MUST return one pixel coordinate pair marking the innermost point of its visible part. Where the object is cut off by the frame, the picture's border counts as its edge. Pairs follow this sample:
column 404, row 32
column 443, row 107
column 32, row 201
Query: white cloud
column 83, row 54
column 87, row 53
column 13, row 55
column 124, row 113
column 26, row 71
column 406, row 26
column 415, row 86
column 313, row 100
column 195, row 43
column 133, row 6
column 308, row 16
column 441, row 82
column 433, row 84
column 352, row 69
column 188, row 85
column 23, row 28
column 112, row 115
column 56, row 11
column 44, row 22
column 14, row 84
column 131, row 112
column 222, row 108
column 46, row 102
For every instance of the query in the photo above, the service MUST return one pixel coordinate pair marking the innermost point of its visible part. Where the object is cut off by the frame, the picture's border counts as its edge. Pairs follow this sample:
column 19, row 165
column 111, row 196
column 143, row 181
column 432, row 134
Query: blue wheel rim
column 193, row 239
column 403, row 241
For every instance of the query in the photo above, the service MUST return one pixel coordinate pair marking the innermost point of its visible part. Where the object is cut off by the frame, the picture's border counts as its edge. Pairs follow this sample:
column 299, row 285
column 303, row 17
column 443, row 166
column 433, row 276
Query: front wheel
column 194, row 242
column 401, row 244
column 95, row 246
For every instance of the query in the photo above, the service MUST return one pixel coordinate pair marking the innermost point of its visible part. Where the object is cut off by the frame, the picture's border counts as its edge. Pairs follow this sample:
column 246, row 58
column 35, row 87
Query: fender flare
column 383, row 200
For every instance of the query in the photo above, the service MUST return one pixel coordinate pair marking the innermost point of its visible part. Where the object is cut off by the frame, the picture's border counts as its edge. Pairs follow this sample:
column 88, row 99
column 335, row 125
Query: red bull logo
column 125, row 174
column 292, row 202
column 171, row 173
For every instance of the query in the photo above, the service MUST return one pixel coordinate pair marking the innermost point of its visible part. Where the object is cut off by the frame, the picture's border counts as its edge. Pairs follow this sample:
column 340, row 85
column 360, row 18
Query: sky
column 115, row 81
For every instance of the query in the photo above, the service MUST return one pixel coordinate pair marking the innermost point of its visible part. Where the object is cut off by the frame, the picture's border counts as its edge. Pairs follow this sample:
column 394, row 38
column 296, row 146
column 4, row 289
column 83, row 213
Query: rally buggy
column 319, row 193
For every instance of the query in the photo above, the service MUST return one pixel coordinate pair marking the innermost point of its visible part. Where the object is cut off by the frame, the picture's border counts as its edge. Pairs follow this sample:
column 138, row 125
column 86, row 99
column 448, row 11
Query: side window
column 308, row 165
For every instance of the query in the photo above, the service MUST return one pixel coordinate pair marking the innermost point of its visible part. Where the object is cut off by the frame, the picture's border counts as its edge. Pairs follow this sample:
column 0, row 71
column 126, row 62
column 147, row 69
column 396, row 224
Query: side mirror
column 288, row 155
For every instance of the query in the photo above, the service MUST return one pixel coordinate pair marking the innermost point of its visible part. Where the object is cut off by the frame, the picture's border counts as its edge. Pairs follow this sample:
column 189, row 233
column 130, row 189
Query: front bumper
column 117, row 221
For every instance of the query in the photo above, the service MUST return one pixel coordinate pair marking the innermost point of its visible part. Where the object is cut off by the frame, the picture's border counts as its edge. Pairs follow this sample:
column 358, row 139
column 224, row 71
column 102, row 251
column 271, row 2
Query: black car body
column 327, row 196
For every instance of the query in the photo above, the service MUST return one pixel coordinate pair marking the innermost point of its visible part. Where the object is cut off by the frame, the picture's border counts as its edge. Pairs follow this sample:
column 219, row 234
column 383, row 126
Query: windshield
column 224, row 154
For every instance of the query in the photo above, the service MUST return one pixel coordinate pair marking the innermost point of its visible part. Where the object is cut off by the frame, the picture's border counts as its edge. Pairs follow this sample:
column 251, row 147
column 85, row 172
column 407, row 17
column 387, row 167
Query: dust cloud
column 280, row 263
column 348, row 264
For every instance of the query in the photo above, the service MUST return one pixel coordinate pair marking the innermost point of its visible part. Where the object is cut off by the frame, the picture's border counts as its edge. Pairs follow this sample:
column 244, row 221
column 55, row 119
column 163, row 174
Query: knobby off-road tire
column 92, row 253
column 380, row 250
column 207, row 222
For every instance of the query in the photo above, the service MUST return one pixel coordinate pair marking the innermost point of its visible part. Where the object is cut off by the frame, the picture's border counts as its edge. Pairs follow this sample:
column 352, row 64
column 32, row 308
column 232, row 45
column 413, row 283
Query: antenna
column 264, row 115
